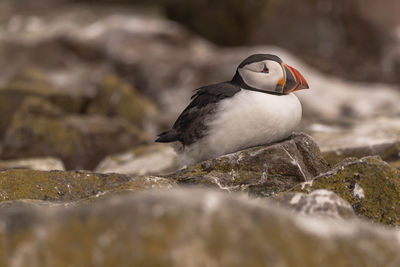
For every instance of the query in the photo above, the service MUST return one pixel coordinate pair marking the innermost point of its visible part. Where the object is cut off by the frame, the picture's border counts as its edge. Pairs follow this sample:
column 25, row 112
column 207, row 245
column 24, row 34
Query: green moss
column 379, row 182
column 55, row 185
column 71, row 185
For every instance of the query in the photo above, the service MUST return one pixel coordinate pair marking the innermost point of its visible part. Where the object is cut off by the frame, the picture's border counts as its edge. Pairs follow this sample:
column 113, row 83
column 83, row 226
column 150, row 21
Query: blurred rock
column 333, row 36
column 77, row 46
column 30, row 83
column 347, row 38
column 389, row 152
column 226, row 22
column 156, row 159
column 260, row 171
column 364, row 133
column 369, row 184
column 319, row 203
column 116, row 98
column 41, row 164
column 41, row 129
column 71, row 185
column 188, row 228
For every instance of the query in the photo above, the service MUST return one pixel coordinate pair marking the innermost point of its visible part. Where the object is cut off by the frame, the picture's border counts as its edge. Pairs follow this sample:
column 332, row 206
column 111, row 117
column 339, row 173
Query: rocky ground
column 83, row 92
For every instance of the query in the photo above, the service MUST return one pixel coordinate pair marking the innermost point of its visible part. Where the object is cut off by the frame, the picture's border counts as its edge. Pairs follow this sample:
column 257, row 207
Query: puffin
column 256, row 107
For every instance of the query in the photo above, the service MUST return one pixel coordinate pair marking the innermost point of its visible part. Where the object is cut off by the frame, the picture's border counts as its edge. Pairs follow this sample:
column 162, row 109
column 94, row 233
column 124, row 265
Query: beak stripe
column 294, row 79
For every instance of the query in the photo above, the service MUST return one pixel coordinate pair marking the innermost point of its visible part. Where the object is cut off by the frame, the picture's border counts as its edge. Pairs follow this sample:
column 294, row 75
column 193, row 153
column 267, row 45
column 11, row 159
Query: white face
column 263, row 75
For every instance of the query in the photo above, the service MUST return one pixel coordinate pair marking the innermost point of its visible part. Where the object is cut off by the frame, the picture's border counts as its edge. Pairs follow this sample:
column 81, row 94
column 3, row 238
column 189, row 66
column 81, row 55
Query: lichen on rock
column 71, row 185
column 369, row 184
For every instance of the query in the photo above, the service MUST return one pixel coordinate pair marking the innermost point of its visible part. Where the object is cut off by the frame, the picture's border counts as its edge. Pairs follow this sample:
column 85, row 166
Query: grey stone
column 260, row 171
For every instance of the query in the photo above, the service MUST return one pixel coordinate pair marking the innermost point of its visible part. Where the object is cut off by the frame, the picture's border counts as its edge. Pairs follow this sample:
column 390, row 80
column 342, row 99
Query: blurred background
column 83, row 80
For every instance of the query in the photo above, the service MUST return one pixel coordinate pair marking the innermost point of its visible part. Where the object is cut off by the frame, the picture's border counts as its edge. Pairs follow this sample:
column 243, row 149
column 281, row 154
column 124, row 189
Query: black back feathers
column 191, row 125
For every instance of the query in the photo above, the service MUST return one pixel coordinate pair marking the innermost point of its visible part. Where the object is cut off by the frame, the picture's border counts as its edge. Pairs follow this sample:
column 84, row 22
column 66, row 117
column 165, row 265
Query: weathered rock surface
column 71, row 185
column 153, row 159
column 40, row 164
column 188, row 228
column 369, row 184
column 260, row 171
column 319, row 203
column 41, row 129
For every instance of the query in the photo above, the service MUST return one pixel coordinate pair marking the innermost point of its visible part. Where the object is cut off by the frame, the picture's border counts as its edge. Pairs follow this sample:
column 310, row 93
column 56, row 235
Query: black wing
column 190, row 125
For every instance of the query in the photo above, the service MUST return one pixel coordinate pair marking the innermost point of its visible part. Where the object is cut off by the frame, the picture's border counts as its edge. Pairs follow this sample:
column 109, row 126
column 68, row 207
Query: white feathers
column 247, row 119
column 252, row 75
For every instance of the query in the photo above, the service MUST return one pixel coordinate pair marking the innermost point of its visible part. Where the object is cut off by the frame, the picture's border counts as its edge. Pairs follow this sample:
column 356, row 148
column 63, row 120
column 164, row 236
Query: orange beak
column 293, row 80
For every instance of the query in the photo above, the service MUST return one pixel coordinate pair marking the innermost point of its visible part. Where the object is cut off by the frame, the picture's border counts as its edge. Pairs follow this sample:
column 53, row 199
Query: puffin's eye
column 265, row 69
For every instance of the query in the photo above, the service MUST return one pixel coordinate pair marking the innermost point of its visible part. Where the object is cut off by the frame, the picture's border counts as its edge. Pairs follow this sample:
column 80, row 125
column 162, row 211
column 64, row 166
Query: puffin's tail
column 168, row 136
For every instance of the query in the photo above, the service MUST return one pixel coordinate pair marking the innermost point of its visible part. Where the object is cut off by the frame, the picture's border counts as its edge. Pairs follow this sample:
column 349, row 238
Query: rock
column 260, row 171
column 116, row 98
column 156, row 159
column 369, row 184
column 364, row 133
column 41, row 129
column 188, row 228
column 40, row 164
column 71, row 185
column 389, row 152
column 30, row 83
column 319, row 203
column 78, row 47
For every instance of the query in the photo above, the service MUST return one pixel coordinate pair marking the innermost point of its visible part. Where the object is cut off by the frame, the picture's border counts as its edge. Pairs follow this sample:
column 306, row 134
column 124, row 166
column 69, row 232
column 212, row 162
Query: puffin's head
column 268, row 73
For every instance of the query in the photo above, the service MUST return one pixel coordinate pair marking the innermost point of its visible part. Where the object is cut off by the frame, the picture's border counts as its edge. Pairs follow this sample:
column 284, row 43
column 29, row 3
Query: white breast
column 247, row 119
